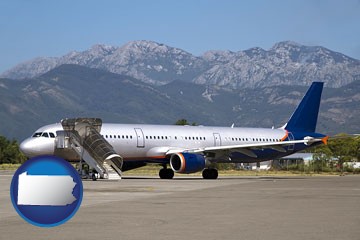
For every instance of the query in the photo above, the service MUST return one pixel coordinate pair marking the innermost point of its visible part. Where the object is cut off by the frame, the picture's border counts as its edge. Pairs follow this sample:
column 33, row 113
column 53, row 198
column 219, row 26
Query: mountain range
column 286, row 63
column 71, row 90
column 149, row 82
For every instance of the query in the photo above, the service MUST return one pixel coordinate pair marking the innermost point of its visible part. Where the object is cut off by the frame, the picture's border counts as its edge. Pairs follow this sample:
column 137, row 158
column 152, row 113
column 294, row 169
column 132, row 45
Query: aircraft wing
column 247, row 148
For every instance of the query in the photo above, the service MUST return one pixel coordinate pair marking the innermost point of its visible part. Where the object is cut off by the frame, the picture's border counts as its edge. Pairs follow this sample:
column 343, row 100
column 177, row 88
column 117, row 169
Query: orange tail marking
column 325, row 140
column 286, row 135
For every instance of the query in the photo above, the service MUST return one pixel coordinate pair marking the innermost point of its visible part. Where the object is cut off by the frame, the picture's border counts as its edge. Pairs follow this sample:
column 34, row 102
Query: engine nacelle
column 187, row 162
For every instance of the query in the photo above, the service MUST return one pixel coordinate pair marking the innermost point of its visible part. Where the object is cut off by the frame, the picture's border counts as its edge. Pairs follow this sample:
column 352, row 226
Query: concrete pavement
column 193, row 208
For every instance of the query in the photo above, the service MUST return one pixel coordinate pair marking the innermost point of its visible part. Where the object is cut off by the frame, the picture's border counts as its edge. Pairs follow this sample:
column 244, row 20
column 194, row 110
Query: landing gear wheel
column 93, row 177
column 210, row 173
column 214, row 173
column 166, row 173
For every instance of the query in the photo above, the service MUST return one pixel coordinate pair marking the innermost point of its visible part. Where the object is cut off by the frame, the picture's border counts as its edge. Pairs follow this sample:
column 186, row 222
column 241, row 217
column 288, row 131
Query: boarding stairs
column 82, row 135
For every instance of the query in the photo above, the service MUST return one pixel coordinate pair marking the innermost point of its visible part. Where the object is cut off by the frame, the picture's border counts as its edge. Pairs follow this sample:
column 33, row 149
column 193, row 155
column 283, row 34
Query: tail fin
column 304, row 118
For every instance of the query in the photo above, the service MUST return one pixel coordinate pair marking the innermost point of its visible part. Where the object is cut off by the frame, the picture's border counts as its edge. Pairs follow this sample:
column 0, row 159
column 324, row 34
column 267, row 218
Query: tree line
column 10, row 152
column 340, row 149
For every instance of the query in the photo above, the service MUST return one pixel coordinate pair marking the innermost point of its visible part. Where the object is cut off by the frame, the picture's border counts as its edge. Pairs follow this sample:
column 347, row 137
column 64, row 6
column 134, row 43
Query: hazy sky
column 30, row 29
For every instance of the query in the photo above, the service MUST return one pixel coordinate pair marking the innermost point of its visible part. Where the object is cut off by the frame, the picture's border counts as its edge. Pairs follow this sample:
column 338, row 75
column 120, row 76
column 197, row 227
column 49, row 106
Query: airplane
column 189, row 149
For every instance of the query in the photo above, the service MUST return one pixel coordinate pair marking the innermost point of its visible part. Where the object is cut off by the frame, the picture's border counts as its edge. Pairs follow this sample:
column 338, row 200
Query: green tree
column 357, row 147
column 322, row 157
column 9, row 152
column 344, row 148
column 184, row 122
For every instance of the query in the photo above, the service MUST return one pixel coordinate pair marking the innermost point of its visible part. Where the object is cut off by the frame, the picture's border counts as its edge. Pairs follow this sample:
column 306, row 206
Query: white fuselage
column 145, row 142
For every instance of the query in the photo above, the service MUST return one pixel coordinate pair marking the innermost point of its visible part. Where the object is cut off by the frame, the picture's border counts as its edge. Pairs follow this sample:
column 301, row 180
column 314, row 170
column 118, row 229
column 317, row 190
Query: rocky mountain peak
column 309, row 54
column 145, row 46
column 287, row 45
column 218, row 56
column 102, row 49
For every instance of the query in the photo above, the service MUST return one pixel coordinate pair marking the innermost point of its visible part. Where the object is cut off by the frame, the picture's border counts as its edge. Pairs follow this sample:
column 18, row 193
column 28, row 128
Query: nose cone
column 32, row 147
column 28, row 147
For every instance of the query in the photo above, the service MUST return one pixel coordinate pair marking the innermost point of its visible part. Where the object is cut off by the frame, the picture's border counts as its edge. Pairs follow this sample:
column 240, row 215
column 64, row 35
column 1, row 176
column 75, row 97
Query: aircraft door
column 217, row 139
column 140, row 137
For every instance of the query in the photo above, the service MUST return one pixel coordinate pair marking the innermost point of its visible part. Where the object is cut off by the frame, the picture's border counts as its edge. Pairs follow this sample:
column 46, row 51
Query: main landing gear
column 207, row 173
column 210, row 173
column 166, row 173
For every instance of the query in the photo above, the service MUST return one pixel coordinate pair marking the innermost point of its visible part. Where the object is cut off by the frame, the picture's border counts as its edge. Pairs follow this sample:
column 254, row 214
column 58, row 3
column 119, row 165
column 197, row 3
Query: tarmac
column 193, row 208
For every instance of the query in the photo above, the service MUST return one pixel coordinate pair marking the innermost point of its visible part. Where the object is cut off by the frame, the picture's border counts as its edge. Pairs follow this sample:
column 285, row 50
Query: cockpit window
column 37, row 134
column 45, row 134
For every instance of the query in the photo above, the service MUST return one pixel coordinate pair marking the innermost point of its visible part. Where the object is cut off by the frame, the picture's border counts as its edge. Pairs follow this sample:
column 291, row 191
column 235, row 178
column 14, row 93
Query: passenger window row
column 157, row 137
column 253, row 139
column 234, row 139
column 195, row 138
column 166, row 137
column 118, row 136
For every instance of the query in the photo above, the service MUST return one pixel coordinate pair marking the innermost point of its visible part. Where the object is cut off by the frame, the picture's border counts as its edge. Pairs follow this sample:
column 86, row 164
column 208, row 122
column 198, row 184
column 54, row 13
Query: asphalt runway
column 193, row 208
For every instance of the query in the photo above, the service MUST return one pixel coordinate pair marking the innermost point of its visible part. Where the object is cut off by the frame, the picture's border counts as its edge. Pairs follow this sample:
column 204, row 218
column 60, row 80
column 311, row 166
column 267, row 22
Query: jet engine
column 187, row 162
